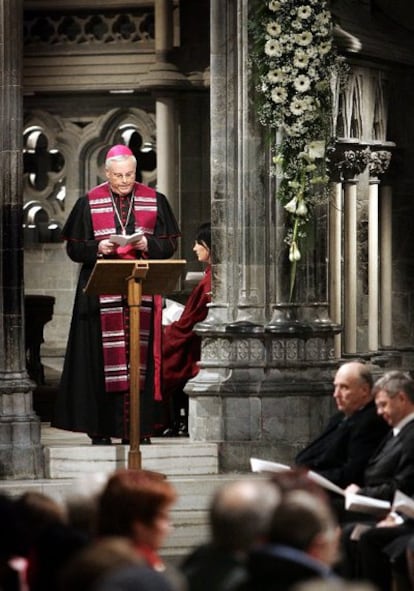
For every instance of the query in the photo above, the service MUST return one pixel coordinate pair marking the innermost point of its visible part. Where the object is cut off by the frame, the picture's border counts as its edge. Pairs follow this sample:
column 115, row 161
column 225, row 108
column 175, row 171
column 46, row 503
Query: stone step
column 168, row 457
column 68, row 455
column 73, row 466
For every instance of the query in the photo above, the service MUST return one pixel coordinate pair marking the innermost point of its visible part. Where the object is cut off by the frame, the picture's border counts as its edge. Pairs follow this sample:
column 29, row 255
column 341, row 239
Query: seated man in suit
column 342, row 451
column 302, row 545
column 391, row 468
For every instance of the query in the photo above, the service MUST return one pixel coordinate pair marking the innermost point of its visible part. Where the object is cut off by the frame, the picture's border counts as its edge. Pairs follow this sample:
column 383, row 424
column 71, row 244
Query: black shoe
column 145, row 441
column 101, row 440
column 170, row 432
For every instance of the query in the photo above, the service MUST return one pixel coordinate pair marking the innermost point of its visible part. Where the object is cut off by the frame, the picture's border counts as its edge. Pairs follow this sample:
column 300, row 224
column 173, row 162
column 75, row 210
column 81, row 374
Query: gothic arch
column 106, row 131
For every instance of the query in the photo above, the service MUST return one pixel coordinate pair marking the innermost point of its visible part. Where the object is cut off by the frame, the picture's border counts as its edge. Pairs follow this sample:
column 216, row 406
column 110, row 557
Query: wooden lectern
column 134, row 278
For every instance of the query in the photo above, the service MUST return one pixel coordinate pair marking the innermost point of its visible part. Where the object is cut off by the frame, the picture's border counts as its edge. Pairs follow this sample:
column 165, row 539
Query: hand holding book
column 123, row 239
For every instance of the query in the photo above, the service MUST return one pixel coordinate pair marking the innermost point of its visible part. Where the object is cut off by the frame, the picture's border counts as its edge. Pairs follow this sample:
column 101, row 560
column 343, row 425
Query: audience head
column 352, row 387
column 394, row 396
column 134, row 578
column 82, row 502
column 240, row 513
column 298, row 479
column 305, row 521
column 99, row 558
column 136, row 504
column 37, row 512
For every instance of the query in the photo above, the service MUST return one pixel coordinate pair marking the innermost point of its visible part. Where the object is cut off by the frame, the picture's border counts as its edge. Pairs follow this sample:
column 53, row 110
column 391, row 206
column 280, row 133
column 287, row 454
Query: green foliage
column 294, row 64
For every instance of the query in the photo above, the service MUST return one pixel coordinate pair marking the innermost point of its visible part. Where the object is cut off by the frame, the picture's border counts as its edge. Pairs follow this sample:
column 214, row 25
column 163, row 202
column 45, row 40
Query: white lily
column 302, row 209
column 291, row 205
column 294, row 253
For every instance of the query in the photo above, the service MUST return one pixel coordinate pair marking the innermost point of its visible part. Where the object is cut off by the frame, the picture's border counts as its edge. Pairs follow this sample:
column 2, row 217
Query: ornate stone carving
column 379, row 162
column 82, row 29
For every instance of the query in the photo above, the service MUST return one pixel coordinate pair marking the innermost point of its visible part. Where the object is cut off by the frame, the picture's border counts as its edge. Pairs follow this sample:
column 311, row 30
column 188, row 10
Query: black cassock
column 82, row 403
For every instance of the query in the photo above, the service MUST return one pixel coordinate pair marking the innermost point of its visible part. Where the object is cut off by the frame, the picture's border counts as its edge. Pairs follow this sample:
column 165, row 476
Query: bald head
column 352, row 387
column 241, row 511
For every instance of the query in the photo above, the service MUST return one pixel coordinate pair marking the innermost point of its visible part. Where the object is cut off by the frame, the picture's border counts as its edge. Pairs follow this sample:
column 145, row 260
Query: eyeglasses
column 119, row 176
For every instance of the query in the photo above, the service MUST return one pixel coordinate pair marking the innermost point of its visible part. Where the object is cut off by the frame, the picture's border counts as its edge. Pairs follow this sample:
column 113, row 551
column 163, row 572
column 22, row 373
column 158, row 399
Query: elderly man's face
column 121, row 176
column 350, row 391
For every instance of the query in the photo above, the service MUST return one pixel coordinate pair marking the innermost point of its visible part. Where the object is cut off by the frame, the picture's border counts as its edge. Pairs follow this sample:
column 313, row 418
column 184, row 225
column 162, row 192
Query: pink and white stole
column 114, row 321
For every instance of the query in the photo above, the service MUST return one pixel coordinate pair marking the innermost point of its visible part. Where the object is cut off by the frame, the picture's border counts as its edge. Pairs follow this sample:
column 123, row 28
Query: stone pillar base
column 21, row 455
column 264, row 392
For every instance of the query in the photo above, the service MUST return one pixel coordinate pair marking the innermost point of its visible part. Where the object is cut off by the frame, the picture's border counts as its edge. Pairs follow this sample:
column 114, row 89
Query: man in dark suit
column 390, row 469
column 342, row 451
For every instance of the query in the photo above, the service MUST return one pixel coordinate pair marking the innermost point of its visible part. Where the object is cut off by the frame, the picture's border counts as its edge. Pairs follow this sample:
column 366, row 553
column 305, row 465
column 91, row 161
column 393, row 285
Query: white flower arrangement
column 294, row 58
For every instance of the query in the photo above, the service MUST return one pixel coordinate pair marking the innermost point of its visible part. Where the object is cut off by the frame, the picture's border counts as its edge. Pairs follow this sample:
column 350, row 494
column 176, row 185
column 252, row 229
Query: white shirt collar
column 402, row 423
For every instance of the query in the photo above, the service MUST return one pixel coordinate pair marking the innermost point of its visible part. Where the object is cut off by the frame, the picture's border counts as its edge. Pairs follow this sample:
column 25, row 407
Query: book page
column 266, row 466
column 122, row 239
column 403, row 504
column 362, row 504
column 325, row 483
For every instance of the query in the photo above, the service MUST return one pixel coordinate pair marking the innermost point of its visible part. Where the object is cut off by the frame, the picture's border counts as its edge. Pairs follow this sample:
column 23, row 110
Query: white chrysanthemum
column 297, row 25
column 323, row 31
column 276, row 76
column 308, row 103
column 301, row 59
column 325, row 47
column 297, row 107
column 272, row 48
column 273, row 28
column 304, row 12
column 316, row 149
column 279, row 94
column 323, row 18
column 311, row 51
column 302, row 83
column 304, row 38
column 274, row 5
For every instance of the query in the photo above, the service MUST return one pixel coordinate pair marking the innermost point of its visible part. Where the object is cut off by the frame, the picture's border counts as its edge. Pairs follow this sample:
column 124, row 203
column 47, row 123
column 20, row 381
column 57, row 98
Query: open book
column 362, row 504
column 403, row 504
column 353, row 502
column 123, row 240
column 266, row 466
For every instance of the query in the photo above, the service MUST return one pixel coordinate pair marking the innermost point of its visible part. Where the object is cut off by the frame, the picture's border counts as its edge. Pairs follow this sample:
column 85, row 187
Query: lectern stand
column 134, row 278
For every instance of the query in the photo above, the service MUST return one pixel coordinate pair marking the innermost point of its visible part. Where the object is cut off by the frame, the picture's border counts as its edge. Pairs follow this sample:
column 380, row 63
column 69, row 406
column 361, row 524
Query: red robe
column 181, row 348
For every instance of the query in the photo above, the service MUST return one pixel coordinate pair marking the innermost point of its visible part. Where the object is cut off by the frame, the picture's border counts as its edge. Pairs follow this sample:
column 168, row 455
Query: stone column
column 265, row 378
column 350, row 265
column 349, row 161
column 386, row 266
column 164, row 80
column 373, row 254
column 20, row 450
column 381, row 282
column 335, row 258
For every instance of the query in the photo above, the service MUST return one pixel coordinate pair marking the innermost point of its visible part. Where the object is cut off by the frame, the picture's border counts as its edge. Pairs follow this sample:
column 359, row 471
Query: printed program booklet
column 123, row 240
column 353, row 502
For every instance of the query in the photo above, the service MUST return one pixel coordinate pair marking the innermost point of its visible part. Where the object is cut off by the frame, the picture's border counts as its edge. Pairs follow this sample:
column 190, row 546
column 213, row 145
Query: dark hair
column 203, row 235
